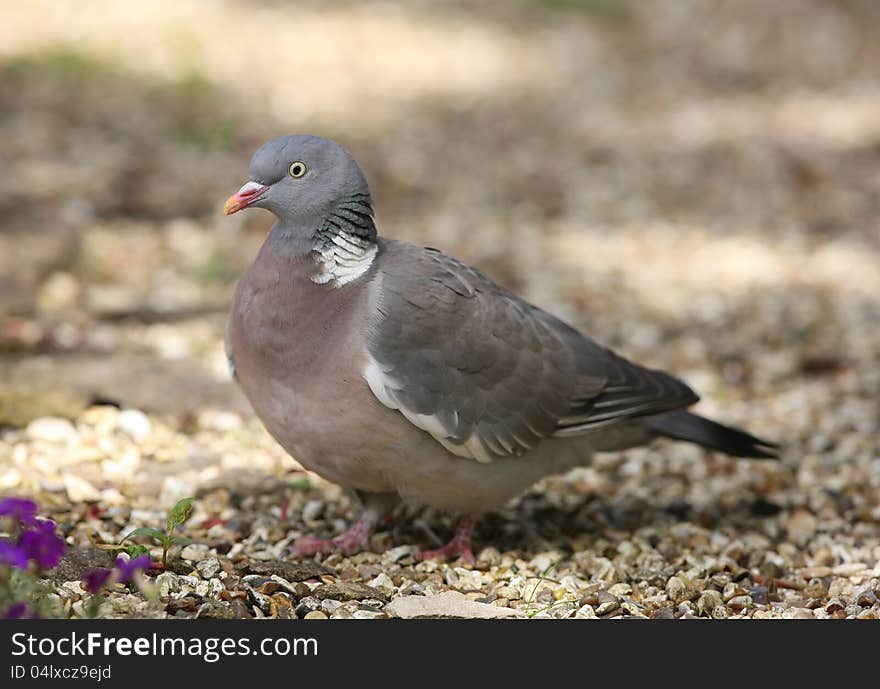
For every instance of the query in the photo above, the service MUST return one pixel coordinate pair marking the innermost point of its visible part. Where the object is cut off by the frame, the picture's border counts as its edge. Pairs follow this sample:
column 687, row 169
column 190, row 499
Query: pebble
column 307, row 605
column 720, row 612
column 394, row 555
column 315, row 615
column 675, row 588
column 382, row 581
column 135, row 424
column 801, row 526
column 586, row 612
column 708, row 601
column 738, row 603
column 195, row 552
column 866, row 598
column 450, row 604
column 369, row 615
column 52, row 430
column 290, row 571
column 464, row 579
column 347, row 591
column 798, row 614
column 208, row 567
column 80, row 490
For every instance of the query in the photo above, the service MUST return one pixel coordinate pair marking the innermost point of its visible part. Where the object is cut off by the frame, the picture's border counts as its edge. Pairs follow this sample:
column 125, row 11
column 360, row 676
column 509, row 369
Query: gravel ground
column 704, row 201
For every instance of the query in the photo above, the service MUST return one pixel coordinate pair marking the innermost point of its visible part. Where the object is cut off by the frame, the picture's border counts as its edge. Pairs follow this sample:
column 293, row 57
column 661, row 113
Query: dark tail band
column 683, row 425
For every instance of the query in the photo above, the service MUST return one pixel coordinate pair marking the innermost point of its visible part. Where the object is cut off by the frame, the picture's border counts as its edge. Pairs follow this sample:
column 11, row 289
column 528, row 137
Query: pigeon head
column 301, row 179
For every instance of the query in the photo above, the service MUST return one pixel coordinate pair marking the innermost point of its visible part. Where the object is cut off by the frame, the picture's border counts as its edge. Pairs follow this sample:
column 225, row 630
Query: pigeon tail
column 683, row 425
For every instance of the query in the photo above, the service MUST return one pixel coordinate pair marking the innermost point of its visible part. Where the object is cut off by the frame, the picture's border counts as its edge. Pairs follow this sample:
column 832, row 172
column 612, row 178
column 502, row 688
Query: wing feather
column 486, row 373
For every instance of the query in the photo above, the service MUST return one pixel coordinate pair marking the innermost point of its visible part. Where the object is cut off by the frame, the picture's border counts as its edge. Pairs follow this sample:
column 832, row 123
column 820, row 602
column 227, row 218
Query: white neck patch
column 343, row 257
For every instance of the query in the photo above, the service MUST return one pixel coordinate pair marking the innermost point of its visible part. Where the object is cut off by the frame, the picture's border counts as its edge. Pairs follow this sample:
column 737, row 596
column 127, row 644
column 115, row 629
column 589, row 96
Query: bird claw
column 447, row 552
column 460, row 545
column 352, row 541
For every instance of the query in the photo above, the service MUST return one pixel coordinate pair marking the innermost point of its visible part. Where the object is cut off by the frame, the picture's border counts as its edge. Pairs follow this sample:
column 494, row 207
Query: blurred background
column 695, row 183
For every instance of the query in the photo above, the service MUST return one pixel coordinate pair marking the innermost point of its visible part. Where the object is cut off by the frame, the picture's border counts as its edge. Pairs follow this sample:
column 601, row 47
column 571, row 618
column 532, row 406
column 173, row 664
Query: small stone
column 708, row 601
column 632, row 608
column 239, row 610
column 801, row 526
column 80, row 490
column 605, row 608
column 51, row 429
column 382, row 581
column 312, row 510
column 208, row 567
column 607, row 603
column 740, row 603
column 850, row 568
column 620, row 590
column 489, row 556
column 834, row 604
column 315, row 615
column 464, row 579
column 348, row 591
column 675, row 588
column 77, row 562
column 798, row 614
column 343, row 612
column 215, row 610
column 291, row 571
column 731, row 591
column 185, row 604
column 760, row 595
column 330, row 606
column 393, row 555
column 195, row 552
column 719, row 612
column 448, row 605
column 168, row 583
column 586, row 612
column 307, row 605
column 369, row 615
column 135, row 424
column 866, row 598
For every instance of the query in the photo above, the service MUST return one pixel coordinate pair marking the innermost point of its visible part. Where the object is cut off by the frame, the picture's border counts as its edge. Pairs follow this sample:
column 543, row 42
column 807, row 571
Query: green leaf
column 179, row 513
column 302, row 484
column 137, row 550
column 144, row 531
column 180, row 540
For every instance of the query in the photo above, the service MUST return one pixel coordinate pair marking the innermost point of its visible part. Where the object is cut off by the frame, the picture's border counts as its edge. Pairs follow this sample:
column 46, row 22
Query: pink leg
column 376, row 507
column 349, row 543
column 459, row 545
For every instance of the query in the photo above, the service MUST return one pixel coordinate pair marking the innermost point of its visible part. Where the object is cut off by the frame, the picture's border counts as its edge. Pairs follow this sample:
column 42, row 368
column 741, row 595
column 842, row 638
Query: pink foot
column 460, row 545
column 352, row 541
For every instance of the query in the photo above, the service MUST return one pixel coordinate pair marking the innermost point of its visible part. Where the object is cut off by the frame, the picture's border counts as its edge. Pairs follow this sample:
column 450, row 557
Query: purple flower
column 127, row 568
column 96, row 579
column 42, row 544
column 19, row 509
column 13, row 556
column 16, row 611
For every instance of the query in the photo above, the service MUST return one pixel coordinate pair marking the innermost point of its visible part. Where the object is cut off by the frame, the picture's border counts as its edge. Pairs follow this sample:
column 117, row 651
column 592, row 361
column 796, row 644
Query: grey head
column 302, row 179
column 321, row 199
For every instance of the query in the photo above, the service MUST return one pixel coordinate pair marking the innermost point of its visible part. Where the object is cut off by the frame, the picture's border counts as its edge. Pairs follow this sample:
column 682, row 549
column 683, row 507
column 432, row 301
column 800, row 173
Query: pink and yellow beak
column 244, row 197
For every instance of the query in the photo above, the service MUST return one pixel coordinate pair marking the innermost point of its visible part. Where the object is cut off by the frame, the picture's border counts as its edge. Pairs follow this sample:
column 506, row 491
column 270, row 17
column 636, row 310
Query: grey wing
column 487, row 374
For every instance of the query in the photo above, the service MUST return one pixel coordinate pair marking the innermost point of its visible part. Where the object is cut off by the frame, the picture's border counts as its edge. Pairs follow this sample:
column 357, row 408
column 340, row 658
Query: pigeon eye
column 297, row 169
